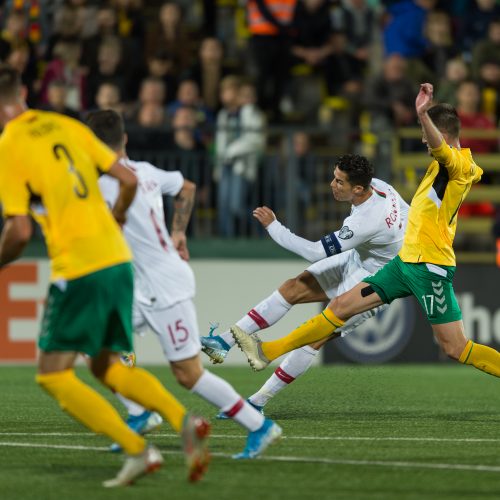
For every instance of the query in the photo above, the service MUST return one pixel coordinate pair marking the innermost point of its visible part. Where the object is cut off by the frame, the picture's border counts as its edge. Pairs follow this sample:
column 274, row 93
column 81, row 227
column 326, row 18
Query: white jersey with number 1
column 161, row 277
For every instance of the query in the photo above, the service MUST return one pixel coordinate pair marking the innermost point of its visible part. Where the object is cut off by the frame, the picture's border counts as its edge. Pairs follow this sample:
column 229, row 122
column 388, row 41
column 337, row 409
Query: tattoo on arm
column 183, row 207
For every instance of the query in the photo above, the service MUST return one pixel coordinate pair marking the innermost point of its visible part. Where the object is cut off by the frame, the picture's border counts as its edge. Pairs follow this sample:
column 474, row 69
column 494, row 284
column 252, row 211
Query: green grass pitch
column 388, row 433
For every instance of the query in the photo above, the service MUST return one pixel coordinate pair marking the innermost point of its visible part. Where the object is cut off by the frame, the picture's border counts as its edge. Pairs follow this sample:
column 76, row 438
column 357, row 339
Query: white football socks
column 133, row 408
column 218, row 392
column 293, row 366
column 262, row 316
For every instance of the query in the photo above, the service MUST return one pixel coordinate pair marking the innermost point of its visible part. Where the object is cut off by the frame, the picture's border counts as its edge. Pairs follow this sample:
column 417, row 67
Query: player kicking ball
column 165, row 284
column 369, row 238
column 424, row 267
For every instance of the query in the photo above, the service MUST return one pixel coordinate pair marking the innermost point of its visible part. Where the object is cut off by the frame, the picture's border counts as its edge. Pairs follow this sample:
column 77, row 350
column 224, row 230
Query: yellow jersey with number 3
column 432, row 219
column 49, row 167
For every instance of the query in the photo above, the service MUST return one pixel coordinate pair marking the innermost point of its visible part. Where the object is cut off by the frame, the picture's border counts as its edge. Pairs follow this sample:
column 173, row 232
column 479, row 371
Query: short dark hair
column 446, row 119
column 10, row 83
column 108, row 126
column 358, row 169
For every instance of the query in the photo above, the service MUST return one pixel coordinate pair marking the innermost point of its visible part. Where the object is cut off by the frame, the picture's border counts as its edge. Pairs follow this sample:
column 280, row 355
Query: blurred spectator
column 487, row 49
column 66, row 68
column 150, row 115
column 404, row 32
column 489, row 80
column 188, row 94
column 209, row 70
column 269, row 23
column 85, row 15
column 170, row 34
column 152, row 90
column 239, row 142
column 468, row 100
column 109, row 69
column 161, row 65
column 188, row 154
column 357, row 21
column 476, row 22
column 441, row 47
column 390, row 96
column 67, row 26
column 18, row 58
column 455, row 73
column 57, row 96
column 108, row 97
column 130, row 20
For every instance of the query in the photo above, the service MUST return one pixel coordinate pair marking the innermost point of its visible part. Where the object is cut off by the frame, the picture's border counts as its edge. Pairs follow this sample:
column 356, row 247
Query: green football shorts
column 90, row 313
column 431, row 285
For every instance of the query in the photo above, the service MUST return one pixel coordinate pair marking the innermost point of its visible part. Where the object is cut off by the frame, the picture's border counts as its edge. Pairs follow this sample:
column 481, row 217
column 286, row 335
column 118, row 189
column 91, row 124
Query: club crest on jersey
column 345, row 233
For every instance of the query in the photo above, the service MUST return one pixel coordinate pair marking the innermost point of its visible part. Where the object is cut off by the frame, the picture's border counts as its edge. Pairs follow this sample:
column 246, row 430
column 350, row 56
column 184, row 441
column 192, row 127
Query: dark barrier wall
column 402, row 333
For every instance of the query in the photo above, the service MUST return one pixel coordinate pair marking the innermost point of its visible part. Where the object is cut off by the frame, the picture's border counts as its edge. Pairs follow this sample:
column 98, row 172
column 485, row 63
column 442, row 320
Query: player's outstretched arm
column 183, row 208
column 309, row 250
column 15, row 235
column 423, row 103
column 128, row 187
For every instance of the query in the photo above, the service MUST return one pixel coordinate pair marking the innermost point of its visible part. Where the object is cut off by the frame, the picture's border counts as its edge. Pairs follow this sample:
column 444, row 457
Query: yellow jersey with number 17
column 49, row 167
column 432, row 219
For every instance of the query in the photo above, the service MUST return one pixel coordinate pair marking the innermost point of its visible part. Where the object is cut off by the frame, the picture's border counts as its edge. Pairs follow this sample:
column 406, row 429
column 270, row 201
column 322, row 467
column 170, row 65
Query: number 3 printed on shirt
column 179, row 333
column 80, row 188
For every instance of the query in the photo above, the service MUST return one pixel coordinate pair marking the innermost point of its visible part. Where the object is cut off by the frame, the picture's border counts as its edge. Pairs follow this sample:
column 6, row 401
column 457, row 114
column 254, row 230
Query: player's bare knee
column 186, row 374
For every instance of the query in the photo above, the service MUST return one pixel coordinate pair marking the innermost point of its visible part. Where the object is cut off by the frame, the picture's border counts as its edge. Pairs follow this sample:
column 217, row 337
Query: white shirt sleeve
column 170, row 182
column 109, row 189
column 354, row 232
column 309, row 250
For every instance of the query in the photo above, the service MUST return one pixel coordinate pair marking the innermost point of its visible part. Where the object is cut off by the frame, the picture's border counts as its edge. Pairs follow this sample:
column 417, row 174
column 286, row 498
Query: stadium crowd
column 201, row 84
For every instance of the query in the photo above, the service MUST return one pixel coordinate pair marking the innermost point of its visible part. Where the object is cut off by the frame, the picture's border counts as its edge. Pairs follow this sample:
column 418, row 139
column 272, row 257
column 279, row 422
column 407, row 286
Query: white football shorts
column 338, row 274
column 176, row 327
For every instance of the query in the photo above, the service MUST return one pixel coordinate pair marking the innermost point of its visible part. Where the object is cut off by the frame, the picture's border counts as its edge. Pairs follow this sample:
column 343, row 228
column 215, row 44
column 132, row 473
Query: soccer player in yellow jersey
column 49, row 167
column 426, row 263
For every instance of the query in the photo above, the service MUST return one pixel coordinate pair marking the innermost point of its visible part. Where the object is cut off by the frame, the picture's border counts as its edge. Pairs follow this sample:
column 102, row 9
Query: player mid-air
column 165, row 285
column 369, row 238
column 424, row 267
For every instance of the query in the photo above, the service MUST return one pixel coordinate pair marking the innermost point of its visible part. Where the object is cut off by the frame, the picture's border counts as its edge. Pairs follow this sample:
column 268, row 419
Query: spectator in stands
column 489, row 79
column 476, row 22
column 150, row 115
column 171, row 35
column 57, row 96
column 487, row 49
column 188, row 94
column 357, row 20
column 85, row 16
column 67, row 26
column 455, row 73
column 269, row 23
column 209, row 70
column 108, row 97
column 188, row 154
column 404, row 31
column 130, row 21
column 468, row 109
column 239, row 142
column 161, row 65
column 109, row 69
column 390, row 96
column 66, row 67
column 153, row 90
column 440, row 47
column 18, row 58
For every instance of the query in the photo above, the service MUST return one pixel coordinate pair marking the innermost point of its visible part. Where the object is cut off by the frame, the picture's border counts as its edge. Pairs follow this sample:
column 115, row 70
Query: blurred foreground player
column 164, row 282
column 49, row 167
column 426, row 263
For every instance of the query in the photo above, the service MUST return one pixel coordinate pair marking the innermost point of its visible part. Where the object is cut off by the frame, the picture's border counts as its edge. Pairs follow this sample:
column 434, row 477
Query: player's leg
column 383, row 287
column 302, row 289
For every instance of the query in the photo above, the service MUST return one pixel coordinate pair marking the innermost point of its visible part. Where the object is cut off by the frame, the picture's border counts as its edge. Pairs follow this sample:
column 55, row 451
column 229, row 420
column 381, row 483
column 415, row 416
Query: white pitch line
column 290, row 459
column 299, row 438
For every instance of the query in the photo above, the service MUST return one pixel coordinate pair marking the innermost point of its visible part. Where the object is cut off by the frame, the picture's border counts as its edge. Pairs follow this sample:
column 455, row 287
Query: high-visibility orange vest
column 281, row 10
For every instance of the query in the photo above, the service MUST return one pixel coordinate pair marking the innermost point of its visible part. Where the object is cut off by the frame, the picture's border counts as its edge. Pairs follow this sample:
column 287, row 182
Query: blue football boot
column 214, row 346
column 260, row 439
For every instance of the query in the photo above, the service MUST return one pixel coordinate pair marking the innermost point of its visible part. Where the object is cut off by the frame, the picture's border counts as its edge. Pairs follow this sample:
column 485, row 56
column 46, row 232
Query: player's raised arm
column 128, row 187
column 16, row 234
column 423, row 103
column 183, row 208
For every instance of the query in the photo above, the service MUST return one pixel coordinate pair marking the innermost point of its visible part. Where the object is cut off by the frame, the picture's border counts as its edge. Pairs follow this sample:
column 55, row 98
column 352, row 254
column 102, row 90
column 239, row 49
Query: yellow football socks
column 143, row 388
column 484, row 358
column 90, row 408
column 314, row 329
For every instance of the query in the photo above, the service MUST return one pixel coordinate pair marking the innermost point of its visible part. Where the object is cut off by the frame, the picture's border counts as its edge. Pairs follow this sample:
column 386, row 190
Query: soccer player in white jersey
column 164, row 285
column 370, row 237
